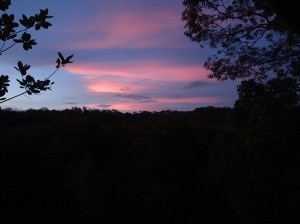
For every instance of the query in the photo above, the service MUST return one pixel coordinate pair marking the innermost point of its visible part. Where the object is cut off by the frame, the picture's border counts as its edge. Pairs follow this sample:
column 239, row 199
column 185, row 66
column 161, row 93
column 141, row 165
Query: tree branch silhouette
column 9, row 33
column 33, row 86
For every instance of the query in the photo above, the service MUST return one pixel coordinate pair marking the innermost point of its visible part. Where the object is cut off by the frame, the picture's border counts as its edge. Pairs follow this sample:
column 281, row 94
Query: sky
column 129, row 55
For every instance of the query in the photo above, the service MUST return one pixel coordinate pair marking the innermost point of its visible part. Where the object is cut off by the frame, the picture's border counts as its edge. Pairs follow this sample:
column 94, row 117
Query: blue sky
column 129, row 55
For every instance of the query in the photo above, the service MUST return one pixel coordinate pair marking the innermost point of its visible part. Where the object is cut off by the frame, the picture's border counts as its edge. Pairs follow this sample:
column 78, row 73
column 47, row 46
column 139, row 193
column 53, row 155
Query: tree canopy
column 251, row 38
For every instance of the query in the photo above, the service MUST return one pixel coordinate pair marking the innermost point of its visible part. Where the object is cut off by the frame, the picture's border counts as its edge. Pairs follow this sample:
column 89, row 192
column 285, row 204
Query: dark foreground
column 203, row 166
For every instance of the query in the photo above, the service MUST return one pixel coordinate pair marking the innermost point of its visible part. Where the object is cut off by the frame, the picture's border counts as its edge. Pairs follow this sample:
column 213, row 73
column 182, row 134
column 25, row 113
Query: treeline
column 209, row 165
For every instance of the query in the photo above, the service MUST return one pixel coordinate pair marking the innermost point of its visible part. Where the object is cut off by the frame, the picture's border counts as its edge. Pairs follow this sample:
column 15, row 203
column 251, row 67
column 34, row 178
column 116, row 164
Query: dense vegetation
column 87, row 166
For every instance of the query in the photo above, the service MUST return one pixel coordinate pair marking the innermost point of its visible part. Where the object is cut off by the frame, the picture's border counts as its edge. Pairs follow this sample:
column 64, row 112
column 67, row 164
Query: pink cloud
column 130, row 77
column 117, row 106
column 111, row 86
column 154, row 70
column 161, row 103
column 126, row 29
column 124, row 107
column 105, row 86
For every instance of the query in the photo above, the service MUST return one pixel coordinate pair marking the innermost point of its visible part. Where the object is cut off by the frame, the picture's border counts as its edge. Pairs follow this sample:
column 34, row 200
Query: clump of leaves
column 10, row 36
column 28, row 82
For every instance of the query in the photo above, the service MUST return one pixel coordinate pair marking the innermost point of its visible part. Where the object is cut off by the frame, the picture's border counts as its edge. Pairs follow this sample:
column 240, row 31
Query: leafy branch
column 10, row 37
column 8, row 32
column 28, row 82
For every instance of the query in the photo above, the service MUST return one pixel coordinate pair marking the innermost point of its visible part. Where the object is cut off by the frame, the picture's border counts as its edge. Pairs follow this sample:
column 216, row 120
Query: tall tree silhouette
column 259, row 42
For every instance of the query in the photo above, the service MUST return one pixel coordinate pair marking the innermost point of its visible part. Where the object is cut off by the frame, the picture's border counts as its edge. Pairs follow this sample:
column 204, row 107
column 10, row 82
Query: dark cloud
column 196, row 84
column 104, row 105
column 70, row 103
column 148, row 101
column 132, row 96
column 125, row 89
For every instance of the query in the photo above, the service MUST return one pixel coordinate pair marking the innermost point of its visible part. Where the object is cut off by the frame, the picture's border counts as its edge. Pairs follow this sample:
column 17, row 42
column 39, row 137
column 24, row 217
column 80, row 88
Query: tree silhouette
column 251, row 39
column 11, row 37
column 258, row 41
column 289, row 12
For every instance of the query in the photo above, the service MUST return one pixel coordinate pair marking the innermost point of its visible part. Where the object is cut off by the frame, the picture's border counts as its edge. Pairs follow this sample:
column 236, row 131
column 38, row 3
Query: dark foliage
column 90, row 166
column 10, row 36
column 258, row 163
column 251, row 38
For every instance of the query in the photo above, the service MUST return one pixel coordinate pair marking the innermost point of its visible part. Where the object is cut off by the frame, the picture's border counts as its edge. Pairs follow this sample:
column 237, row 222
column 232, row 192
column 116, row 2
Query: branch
column 1, row 51
column 13, row 97
column 33, row 86
column 12, row 34
column 20, row 94
column 52, row 74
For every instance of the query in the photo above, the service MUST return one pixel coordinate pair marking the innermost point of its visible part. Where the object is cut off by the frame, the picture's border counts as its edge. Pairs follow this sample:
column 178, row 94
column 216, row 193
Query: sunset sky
column 129, row 55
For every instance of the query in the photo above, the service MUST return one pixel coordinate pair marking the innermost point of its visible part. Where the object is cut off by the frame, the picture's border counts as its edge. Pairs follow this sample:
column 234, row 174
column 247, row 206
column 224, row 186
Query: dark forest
column 90, row 166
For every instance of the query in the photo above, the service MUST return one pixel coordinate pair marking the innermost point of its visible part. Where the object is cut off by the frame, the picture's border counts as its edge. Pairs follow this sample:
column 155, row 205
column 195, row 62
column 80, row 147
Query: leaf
column 47, row 82
column 64, row 61
column 37, row 26
column 12, row 36
column 22, row 83
column 46, row 25
column 5, row 5
column 58, row 63
column 29, row 79
column 17, row 41
column 7, row 19
column 69, row 58
column 24, row 21
column 26, row 37
column 22, row 68
column 61, row 56
column 20, row 65
column 28, row 45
